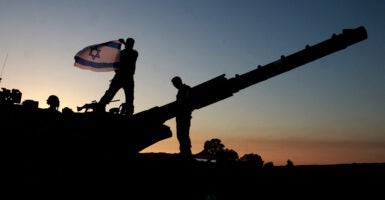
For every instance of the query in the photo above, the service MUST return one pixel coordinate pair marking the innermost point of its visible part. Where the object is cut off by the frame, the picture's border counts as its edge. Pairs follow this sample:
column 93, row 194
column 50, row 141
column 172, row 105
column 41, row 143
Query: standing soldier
column 183, row 116
column 123, row 78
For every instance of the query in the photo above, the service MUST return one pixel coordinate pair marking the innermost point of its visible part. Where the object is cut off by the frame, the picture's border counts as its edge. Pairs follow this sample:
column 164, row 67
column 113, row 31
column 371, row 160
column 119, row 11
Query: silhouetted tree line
column 215, row 150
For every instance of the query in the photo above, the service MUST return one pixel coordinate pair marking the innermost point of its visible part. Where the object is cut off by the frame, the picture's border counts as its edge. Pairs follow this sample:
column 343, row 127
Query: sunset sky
column 329, row 111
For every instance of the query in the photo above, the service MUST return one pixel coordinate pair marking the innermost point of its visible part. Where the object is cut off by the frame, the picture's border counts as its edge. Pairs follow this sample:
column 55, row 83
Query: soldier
column 53, row 102
column 123, row 78
column 183, row 116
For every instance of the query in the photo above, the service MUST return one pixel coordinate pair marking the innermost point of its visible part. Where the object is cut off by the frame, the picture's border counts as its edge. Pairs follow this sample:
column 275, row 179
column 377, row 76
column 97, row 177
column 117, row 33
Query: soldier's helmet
column 53, row 101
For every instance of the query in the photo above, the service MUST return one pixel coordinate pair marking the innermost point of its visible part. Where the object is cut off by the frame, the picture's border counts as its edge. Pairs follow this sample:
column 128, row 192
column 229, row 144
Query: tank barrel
column 220, row 88
column 310, row 53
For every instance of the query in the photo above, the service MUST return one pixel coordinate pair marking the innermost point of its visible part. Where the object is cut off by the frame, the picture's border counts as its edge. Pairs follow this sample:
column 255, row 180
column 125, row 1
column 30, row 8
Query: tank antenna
column 2, row 69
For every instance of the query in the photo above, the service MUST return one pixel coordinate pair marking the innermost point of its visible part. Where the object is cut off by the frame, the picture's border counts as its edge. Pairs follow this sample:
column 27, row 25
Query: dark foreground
column 167, row 176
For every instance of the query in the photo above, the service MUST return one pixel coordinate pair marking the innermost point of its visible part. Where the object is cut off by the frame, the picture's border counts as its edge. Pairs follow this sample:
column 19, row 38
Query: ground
column 169, row 176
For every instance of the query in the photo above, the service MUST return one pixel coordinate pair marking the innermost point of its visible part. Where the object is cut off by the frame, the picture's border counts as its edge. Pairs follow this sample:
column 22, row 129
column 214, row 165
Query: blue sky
column 331, row 110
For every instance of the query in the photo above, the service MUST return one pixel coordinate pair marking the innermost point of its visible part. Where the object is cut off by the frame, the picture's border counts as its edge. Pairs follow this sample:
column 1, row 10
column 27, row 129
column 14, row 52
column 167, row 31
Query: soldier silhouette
column 53, row 102
column 123, row 78
column 183, row 116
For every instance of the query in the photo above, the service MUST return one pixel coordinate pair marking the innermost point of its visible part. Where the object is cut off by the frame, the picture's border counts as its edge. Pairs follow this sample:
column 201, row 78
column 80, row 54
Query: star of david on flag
column 99, row 57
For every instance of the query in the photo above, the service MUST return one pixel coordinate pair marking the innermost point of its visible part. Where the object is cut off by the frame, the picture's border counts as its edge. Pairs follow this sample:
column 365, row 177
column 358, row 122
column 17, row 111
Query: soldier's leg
column 128, row 109
column 109, row 94
column 183, row 136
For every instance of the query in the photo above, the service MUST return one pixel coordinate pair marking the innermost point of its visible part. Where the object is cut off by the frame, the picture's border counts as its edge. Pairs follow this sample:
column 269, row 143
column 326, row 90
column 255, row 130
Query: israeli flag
column 99, row 57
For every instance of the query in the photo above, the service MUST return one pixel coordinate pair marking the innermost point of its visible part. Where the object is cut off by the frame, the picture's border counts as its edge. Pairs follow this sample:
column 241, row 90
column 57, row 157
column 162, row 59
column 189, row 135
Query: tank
column 37, row 138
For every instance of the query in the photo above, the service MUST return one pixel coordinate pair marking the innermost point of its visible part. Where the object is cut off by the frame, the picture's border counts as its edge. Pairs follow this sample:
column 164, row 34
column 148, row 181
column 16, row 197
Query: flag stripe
column 85, row 62
column 112, row 44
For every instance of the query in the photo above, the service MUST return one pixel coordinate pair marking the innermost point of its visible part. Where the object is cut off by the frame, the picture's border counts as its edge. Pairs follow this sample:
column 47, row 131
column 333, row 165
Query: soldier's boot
column 127, row 110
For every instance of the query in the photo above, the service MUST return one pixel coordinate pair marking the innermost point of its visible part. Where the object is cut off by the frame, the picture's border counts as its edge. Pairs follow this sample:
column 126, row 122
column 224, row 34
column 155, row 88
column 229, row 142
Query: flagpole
column 2, row 69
